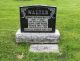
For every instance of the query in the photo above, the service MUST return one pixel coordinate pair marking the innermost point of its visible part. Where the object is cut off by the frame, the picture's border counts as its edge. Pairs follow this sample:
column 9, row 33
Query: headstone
column 37, row 19
column 38, row 25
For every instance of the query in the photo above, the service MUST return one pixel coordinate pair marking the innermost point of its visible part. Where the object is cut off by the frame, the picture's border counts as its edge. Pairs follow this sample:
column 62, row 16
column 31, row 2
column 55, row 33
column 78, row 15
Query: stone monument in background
column 38, row 25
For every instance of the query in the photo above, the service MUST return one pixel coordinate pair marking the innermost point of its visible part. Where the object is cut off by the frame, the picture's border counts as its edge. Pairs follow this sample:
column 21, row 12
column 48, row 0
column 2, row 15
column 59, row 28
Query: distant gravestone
column 38, row 25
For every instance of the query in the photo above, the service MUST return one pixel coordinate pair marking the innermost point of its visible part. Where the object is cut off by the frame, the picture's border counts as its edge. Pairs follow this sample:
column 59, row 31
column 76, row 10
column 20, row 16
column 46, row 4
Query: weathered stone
column 37, row 37
column 44, row 48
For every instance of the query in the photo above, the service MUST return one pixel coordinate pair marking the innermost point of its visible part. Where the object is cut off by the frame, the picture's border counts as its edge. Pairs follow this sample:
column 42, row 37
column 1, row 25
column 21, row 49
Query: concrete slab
column 48, row 48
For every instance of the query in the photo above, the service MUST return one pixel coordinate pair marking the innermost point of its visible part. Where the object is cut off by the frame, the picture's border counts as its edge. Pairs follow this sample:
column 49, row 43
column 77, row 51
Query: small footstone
column 44, row 48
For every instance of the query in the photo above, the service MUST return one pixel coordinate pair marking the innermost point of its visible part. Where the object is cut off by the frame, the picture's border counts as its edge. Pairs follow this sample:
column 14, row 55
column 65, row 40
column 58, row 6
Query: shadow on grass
column 23, row 44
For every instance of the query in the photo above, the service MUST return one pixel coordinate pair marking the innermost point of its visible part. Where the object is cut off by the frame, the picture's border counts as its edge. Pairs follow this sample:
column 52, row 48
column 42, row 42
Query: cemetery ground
column 68, row 23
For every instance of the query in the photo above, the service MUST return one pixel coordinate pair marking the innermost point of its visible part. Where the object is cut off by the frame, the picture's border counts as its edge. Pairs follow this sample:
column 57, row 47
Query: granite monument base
column 37, row 37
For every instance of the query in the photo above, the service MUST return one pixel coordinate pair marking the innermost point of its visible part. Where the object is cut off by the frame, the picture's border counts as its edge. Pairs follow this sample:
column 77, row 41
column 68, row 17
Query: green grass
column 68, row 23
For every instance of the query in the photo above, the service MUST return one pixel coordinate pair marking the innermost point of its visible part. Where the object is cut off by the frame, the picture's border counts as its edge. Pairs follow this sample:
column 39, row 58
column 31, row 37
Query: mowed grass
column 68, row 23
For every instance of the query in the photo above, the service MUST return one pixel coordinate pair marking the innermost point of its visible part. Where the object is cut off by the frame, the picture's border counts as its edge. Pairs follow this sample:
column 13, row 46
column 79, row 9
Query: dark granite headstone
column 38, row 25
column 38, row 18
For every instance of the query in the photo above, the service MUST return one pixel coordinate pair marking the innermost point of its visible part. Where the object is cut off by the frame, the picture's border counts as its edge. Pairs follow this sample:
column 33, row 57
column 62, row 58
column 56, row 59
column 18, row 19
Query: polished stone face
column 37, row 18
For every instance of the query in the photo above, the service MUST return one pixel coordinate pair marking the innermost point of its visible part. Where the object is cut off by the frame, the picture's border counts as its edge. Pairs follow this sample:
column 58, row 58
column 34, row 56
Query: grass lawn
column 68, row 23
